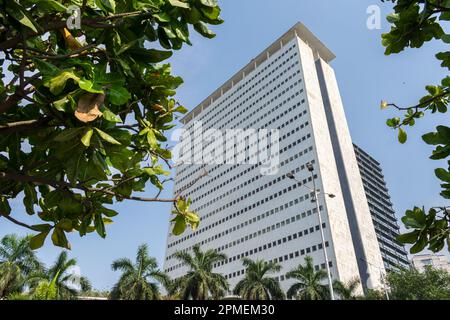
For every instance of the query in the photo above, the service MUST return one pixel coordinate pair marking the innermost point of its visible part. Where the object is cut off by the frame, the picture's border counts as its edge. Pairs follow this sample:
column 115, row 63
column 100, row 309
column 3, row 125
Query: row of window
column 230, row 115
column 227, row 182
column 244, row 107
column 249, row 116
column 229, row 204
column 278, row 278
column 181, row 170
column 237, row 177
column 214, row 111
column 263, row 231
column 250, row 207
column 268, row 246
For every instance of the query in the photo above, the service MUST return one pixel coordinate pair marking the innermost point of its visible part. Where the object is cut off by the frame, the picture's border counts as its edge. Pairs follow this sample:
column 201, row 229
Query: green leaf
column 446, row 38
column 89, row 86
column 162, row 17
column 107, row 137
column 38, row 240
column 100, row 225
column 106, row 5
column 86, row 139
column 118, row 95
column 151, row 138
column 179, row 225
column 203, row 30
column 419, row 246
column 392, row 18
column 4, row 206
column 46, row 67
column 149, row 55
column 21, row 14
column 408, row 237
column 179, row 4
column 42, row 227
column 109, row 116
column 65, row 224
column 30, row 198
column 107, row 212
column 402, row 136
column 57, row 84
column 59, row 239
column 443, row 174
column 68, row 134
column 61, row 104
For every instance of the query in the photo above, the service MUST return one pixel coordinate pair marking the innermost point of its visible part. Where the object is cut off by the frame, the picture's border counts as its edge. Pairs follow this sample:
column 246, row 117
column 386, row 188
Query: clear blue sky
column 365, row 77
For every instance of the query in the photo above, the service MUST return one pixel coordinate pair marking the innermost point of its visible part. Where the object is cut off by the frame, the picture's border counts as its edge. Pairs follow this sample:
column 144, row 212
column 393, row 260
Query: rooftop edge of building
column 299, row 30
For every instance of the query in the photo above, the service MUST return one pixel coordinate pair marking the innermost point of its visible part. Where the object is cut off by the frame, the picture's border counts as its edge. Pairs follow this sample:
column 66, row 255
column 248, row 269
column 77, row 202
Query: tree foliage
column 256, row 285
column 415, row 22
column 57, row 281
column 84, row 112
column 200, row 282
column 347, row 290
column 308, row 284
column 410, row 284
column 17, row 262
column 139, row 280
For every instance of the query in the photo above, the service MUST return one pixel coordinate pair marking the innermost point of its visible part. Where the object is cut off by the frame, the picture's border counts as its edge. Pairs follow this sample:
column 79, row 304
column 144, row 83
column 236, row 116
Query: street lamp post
column 316, row 199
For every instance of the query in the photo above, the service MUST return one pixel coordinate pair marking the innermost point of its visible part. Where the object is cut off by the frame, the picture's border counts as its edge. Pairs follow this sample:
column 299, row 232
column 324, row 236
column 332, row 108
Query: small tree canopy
column 84, row 112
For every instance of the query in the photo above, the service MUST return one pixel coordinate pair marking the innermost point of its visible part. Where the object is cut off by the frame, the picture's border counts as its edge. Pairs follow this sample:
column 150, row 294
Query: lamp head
column 310, row 167
column 290, row 176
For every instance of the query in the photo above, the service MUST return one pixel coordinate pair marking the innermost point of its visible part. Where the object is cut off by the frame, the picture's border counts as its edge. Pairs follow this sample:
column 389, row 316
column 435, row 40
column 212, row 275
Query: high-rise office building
column 383, row 214
column 290, row 87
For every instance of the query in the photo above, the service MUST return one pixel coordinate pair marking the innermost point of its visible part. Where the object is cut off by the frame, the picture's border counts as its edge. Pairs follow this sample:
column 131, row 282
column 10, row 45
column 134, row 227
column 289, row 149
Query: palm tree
column 308, row 286
column 200, row 283
column 64, row 281
column 135, row 283
column 256, row 285
column 17, row 261
column 347, row 291
column 11, row 279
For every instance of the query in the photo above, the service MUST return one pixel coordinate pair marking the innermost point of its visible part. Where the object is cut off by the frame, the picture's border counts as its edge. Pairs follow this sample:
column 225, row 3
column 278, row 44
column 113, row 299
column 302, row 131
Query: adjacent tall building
column 438, row 261
column 291, row 87
column 383, row 215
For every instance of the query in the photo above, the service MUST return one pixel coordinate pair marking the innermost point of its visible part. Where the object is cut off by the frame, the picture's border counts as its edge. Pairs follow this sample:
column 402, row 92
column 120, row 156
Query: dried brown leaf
column 88, row 107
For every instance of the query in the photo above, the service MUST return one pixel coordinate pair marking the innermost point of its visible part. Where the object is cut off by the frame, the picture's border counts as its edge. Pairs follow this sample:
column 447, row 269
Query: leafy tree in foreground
column 308, row 284
column 200, row 283
column 84, row 112
column 410, row 284
column 139, row 280
column 256, row 285
column 347, row 291
column 415, row 22
column 58, row 276
column 17, row 261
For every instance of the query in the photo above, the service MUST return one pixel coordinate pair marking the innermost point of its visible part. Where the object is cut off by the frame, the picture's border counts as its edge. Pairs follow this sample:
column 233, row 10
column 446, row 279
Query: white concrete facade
column 245, row 214
column 421, row 261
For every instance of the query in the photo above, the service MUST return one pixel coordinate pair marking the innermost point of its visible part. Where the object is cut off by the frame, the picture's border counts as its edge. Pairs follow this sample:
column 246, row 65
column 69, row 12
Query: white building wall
column 370, row 258
column 339, row 231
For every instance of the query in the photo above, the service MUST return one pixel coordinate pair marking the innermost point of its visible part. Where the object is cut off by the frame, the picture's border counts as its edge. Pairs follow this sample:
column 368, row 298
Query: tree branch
column 55, row 25
column 422, row 104
column 25, row 125
column 14, row 99
column 63, row 184
column 8, row 217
